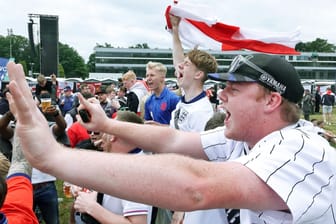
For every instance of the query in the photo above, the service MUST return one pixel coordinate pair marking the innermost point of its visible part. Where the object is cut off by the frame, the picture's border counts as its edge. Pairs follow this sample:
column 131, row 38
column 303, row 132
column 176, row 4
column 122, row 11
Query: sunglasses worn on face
column 93, row 133
column 265, row 77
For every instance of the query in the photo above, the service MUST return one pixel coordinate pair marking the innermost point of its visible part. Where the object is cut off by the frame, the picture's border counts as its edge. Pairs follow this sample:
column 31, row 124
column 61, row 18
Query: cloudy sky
column 124, row 23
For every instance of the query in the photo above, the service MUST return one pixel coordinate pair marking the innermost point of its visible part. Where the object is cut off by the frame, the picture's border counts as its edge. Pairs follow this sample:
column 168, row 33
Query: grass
column 65, row 203
column 331, row 128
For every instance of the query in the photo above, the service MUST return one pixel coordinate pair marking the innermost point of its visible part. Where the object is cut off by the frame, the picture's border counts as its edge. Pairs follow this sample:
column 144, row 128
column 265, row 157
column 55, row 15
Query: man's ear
column 199, row 74
column 273, row 101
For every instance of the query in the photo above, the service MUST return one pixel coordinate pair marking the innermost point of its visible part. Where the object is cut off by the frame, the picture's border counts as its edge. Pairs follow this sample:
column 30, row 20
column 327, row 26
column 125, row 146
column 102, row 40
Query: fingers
column 16, row 74
column 83, row 102
column 20, row 97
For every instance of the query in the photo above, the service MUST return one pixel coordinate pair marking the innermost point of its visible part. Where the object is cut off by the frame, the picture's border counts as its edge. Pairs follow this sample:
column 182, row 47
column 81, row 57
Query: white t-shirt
column 126, row 208
column 213, row 216
column 296, row 163
column 192, row 116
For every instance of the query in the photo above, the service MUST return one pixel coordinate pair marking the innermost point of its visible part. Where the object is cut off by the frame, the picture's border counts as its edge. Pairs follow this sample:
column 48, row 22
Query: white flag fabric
column 200, row 30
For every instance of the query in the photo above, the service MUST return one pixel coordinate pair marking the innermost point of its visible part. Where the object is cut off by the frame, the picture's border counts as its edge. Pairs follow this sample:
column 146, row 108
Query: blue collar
column 162, row 94
column 200, row 96
column 136, row 150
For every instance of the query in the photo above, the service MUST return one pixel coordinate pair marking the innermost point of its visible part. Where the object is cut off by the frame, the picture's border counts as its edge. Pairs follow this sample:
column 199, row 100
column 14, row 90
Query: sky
column 125, row 23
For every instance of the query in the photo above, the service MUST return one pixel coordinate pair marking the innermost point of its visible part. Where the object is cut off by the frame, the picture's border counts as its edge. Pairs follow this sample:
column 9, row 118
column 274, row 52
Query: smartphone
column 84, row 114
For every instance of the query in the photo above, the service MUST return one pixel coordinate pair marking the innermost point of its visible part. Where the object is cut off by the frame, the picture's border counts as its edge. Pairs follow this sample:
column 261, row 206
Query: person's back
column 317, row 100
column 327, row 101
column 307, row 104
column 136, row 90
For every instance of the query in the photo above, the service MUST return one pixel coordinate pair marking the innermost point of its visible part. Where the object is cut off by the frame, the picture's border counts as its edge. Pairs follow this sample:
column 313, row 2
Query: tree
column 318, row 45
column 91, row 64
column 143, row 46
column 61, row 71
column 73, row 64
column 18, row 46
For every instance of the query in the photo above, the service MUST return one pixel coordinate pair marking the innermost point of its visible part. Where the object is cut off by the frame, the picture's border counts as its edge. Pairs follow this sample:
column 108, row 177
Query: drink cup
column 45, row 103
column 67, row 190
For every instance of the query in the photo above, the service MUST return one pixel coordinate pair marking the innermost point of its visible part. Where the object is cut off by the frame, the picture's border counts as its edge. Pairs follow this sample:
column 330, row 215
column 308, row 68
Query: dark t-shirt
column 48, row 87
column 132, row 102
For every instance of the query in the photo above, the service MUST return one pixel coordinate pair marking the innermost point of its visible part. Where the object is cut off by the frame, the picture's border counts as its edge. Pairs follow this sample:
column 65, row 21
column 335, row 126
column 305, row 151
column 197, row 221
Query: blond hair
column 129, row 75
column 40, row 79
column 157, row 66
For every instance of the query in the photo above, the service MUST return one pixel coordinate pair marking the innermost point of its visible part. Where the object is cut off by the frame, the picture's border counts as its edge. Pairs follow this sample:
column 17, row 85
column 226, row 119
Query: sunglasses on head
column 265, row 77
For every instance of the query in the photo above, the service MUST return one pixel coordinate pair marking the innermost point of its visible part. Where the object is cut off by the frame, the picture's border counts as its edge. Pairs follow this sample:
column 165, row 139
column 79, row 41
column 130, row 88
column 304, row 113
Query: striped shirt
column 297, row 163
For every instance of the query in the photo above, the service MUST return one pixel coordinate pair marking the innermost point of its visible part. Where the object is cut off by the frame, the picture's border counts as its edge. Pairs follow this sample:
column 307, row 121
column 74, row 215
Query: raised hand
column 31, row 127
column 97, row 116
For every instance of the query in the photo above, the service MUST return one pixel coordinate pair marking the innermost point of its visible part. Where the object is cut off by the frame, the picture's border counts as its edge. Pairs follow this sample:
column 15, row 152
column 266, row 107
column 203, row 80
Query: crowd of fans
column 145, row 102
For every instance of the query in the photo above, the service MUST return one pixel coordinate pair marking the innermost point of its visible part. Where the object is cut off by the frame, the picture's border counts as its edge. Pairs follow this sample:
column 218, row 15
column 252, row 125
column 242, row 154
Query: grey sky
column 123, row 23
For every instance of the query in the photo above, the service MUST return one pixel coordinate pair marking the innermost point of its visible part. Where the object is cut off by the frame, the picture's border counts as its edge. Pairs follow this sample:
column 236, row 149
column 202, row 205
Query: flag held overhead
column 206, row 32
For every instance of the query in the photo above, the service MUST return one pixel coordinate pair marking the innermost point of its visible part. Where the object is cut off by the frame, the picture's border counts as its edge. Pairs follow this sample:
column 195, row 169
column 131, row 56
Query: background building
column 310, row 65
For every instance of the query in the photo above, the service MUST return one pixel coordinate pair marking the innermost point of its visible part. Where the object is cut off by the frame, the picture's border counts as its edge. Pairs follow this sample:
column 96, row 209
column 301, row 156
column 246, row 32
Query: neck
column 158, row 90
column 192, row 93
column 266, row 130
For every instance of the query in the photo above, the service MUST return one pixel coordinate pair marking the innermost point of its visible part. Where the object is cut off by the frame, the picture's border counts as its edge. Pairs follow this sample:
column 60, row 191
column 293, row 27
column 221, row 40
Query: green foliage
column 18, row 46
column 142, row 46
column 104, row 45
column 24, row 65
column 61, row 71
column 64, row 204
column 73, row 64
column 91, row 64
column 318, row 45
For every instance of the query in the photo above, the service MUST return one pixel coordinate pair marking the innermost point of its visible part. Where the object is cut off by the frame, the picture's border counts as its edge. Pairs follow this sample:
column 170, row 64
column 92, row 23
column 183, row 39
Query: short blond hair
column 158, row 66
column 129, row 75
column 40, row 78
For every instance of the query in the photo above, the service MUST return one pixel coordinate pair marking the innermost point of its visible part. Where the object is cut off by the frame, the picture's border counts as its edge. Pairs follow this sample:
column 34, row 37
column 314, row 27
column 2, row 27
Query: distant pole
column 10, row 33
column 32, row 69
